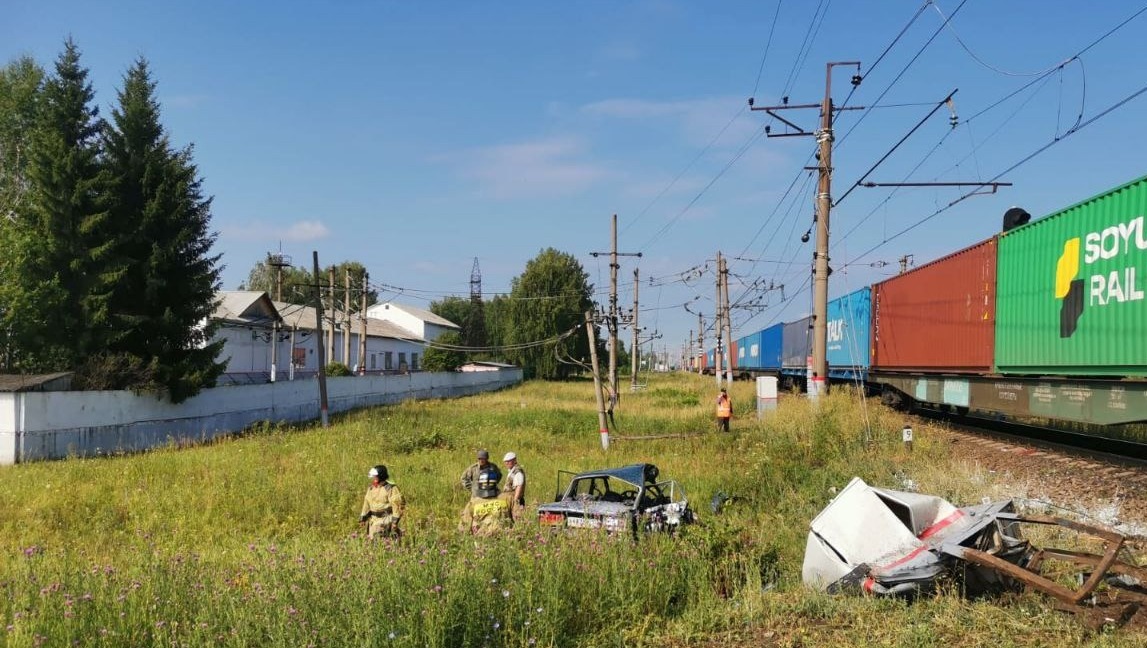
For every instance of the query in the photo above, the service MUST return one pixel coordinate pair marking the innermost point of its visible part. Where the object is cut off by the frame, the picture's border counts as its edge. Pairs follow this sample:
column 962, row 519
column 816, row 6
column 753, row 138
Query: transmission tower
column 476, row 319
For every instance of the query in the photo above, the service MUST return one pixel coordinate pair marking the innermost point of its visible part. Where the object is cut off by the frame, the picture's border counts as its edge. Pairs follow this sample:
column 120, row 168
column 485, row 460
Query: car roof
column 633, row 473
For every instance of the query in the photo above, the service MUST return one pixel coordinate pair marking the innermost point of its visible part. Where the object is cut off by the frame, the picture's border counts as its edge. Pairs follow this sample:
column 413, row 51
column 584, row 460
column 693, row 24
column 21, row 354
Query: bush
column 335, row 369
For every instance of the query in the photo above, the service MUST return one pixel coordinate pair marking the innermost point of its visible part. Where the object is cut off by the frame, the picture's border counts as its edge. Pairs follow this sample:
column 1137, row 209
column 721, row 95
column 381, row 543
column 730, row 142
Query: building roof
column 422, row 314
column 35, row 382
column 489, row 363
column 245, row 306
column 304, row 317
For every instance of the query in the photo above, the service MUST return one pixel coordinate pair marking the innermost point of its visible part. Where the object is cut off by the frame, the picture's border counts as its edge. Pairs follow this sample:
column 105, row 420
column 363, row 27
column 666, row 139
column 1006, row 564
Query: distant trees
column 441, row 357
column 548, row 299
column 297, row 283
column 107, row 269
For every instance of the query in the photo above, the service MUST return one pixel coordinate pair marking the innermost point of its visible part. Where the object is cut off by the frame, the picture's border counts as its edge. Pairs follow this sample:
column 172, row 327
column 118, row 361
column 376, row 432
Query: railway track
column 1085, row 468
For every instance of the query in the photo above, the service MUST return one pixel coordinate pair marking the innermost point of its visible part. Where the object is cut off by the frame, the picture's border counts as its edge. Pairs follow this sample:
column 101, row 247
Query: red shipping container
column 940, row 317
column 734, row 348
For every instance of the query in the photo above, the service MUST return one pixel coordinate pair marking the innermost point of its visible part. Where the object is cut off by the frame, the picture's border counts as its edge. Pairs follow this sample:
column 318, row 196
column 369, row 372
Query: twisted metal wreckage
column 895, row 543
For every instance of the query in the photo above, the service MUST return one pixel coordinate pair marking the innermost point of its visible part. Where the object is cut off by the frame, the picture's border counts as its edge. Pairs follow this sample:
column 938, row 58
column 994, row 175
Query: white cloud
column 545, row 167
column 263, row 231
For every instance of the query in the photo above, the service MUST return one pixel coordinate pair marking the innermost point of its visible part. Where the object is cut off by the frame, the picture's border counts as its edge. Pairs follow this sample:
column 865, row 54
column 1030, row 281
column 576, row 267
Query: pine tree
column 60, row 239
column 159, row 271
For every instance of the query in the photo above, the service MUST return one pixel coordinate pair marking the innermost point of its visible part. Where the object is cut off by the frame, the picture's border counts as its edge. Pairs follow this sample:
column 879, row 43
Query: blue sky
column 414, row 137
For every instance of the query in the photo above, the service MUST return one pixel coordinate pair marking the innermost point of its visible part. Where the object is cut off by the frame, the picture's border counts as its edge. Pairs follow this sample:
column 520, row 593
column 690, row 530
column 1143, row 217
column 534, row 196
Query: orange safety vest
column 724, row 407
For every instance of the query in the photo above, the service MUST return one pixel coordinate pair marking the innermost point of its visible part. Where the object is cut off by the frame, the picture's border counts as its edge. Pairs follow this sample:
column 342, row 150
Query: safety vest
column 724, row 407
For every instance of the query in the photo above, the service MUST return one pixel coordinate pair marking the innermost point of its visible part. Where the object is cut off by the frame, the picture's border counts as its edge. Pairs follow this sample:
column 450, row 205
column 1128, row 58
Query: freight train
column 1045, row 321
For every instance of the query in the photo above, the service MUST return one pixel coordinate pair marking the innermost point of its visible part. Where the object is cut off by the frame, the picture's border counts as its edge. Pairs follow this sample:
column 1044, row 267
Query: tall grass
column 253, row 540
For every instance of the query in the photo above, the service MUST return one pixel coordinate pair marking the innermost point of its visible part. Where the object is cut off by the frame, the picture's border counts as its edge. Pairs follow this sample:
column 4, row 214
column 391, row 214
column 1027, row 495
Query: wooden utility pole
column 602, row 427
column 728, row 320
column 634, row 352
column 319, row 333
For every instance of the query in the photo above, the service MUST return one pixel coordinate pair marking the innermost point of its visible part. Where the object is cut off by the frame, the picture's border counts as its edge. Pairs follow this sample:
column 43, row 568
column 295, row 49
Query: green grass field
column 253, row 541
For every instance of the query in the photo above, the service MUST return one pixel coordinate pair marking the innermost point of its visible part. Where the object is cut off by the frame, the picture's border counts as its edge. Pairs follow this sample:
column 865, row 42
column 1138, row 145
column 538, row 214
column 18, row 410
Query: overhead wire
column 1055, row 140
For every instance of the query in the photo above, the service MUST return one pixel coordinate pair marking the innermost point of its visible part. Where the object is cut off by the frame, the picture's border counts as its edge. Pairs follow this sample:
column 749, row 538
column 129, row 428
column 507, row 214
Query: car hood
column 602, row 509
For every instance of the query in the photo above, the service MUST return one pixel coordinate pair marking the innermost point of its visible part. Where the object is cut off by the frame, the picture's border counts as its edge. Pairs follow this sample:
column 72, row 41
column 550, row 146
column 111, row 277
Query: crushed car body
column 629, row 498
column 897, row 543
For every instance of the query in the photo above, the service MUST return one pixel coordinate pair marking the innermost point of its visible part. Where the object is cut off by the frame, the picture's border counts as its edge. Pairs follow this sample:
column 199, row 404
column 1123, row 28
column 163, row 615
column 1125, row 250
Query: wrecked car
column 629, row 498
column 896, row 543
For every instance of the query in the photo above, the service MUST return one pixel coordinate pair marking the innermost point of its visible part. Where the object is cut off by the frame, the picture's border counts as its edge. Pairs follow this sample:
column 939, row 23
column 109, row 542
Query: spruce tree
column 61, row 237
column 161, row 275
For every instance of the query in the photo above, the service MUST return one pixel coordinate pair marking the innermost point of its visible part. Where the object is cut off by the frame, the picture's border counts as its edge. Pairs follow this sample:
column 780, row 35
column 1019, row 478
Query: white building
column 423, row 323
column 260, row 333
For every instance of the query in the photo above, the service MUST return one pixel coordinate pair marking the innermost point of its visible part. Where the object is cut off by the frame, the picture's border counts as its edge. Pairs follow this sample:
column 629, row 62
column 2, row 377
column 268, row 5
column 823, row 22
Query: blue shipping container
column 747, row 352
column 849, row 334
column 771, row 346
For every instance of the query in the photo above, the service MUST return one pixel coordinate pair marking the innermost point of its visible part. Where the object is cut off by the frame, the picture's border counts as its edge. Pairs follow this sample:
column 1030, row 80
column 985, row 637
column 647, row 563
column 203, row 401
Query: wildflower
column 539, row 610
column 533, row 641
column 497, row 625
column 437, row 589
column 494, row 580
column 392, row 635
column 505, row 593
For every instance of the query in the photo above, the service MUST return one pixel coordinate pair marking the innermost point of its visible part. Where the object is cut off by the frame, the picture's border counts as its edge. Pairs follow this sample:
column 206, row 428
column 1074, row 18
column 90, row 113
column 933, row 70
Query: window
column 373, row 359
column 414, row 362
column 402, row 361
column 388, row 363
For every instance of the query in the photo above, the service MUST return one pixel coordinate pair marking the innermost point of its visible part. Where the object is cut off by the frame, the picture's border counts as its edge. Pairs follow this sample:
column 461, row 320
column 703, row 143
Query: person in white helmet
column 383, row 505
column 515, row 488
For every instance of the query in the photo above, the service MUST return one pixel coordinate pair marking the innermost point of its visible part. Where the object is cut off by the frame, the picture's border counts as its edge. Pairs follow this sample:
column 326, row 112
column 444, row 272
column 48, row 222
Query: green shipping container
column 1070, row 289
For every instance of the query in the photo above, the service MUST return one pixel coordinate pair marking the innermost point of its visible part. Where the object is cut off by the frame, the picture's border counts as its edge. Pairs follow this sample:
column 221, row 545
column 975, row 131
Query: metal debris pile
column 895, row 543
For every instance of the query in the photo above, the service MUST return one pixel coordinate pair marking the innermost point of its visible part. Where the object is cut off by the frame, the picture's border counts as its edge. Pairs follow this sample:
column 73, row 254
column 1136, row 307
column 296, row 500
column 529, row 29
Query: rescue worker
column 515, row 489
column 724, row 410
column 486, row 513
column 470, row 475
column 383, row 505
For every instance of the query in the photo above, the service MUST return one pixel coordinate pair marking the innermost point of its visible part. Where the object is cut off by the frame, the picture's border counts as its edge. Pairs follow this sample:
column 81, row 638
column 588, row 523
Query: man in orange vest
column 724, row 411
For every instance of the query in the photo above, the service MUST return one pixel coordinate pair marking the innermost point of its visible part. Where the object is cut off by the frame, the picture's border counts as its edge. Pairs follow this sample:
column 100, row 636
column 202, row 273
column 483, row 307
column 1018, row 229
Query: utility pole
column 612, row 317
column 362, row 324
column 718, row 329
column 700, row 344
column 602, row 427
column 904, row 261
column 346, row 317
column 331, row 297
column 824, row 138
column 319, row 333
column 728, row 320
column 634, row 352
column 276, row 261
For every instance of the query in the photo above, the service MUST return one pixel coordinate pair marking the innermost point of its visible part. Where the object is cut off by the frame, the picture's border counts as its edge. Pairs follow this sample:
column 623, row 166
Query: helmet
column 378, row 471
column 488, row 479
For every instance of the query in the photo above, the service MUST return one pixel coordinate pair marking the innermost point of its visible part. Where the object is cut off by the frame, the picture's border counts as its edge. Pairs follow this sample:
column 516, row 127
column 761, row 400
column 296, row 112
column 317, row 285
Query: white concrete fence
column 54, row 425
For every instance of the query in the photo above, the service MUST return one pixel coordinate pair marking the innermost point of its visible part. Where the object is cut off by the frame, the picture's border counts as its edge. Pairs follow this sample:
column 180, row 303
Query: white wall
column 53, row 425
